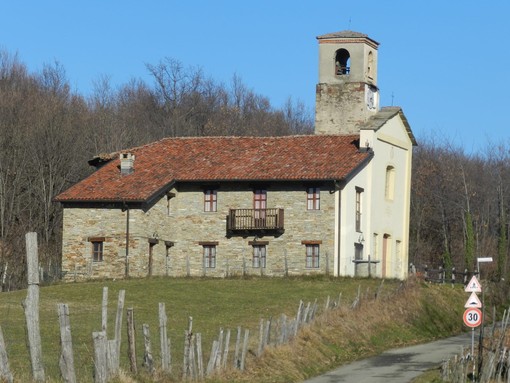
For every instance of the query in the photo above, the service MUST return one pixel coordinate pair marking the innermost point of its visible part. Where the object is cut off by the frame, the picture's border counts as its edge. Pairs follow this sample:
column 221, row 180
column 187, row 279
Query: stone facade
column 175, row 229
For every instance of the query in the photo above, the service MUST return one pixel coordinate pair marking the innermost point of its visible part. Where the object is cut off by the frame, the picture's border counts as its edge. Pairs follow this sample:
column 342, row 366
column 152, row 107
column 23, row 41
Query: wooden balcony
column 246, row 222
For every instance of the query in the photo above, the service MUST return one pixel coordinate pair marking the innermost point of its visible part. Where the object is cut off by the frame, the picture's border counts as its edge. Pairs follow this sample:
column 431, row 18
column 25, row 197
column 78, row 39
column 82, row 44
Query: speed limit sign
column 473, row 317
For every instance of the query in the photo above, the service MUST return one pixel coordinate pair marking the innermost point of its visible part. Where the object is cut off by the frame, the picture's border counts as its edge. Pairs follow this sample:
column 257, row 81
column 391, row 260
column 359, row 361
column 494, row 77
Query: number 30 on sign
column 472, row 317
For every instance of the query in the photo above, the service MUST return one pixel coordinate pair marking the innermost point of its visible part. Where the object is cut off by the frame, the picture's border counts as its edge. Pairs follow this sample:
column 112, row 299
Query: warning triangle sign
column 473, row 286
column 473, row 301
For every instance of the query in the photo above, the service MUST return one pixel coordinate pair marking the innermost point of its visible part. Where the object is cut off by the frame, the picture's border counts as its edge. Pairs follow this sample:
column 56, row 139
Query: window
column 210, row 200
column 386, row 251
column 169, row 196
column 313, row 198
column 168, row 246
column 209, row 256
column 152, row 242
column 312, row 256
column 342, row 62
column 97, row 248
column 359, row 192
column 259, row 256
column 259, row 207
column 390, row 183
column 358, row 251
column 370, row 64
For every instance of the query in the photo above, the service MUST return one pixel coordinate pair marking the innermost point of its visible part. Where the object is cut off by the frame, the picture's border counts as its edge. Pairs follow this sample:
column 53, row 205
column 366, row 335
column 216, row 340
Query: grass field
column 213, row 303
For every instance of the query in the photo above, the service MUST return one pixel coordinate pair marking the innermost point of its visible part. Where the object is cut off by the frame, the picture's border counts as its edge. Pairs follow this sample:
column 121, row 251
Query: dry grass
column 344, row 335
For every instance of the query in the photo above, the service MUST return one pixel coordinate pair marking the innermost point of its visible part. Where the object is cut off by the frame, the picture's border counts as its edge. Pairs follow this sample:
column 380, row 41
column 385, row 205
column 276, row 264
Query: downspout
column 126, row 209
column 338, row 200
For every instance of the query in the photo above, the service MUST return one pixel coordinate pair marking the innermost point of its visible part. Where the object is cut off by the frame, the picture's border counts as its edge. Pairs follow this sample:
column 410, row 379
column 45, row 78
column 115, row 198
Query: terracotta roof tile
column 210, row 159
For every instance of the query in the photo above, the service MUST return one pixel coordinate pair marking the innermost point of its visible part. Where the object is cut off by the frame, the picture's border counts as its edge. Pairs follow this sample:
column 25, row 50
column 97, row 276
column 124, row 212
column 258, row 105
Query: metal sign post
column 472, row 318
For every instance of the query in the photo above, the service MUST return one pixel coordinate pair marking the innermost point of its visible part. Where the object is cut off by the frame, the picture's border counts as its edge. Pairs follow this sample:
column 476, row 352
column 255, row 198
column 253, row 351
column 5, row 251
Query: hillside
column 402, row 314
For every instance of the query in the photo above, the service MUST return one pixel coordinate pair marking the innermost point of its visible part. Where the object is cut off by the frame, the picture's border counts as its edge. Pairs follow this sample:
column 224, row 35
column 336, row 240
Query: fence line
column 441, row 274
column 272, row 332
column 492, row 365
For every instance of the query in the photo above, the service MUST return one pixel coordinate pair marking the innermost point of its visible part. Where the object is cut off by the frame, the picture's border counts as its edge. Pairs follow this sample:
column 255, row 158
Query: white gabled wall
column 348, row 235
column 392, row 146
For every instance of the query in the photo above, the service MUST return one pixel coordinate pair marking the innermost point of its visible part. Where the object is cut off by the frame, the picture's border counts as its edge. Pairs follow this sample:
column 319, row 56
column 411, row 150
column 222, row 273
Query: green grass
column 431, row 376
column 213, row 303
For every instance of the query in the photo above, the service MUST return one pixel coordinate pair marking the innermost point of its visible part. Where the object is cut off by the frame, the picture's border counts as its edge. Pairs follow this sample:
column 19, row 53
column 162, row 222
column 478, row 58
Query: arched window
column 390, row 183
column 342, row 62
column 370, row 64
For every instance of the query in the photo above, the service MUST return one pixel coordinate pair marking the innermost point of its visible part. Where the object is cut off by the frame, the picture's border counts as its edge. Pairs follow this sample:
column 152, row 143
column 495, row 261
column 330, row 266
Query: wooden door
column 259, row 207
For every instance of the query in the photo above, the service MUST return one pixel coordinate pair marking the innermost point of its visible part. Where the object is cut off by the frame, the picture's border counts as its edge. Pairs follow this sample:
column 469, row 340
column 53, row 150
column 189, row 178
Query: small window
column 259, row 256
column 97, row 250
column 313, row 198
column 390, row 183
column 358, row 251
column 169, row 196
column 209, row 256
column 370, row 64
column 210, row 200
column 359, row 194
column 312, row 256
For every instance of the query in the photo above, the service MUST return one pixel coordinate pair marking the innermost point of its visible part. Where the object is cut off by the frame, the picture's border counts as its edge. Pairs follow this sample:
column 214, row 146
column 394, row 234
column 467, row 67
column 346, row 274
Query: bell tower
column 347, row 93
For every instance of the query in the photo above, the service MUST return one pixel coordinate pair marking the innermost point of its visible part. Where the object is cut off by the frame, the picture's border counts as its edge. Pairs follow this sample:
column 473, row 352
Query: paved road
column 399, row 365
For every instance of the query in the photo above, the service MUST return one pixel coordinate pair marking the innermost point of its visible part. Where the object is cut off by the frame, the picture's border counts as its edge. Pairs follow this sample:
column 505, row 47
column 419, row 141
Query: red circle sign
column 473, row 317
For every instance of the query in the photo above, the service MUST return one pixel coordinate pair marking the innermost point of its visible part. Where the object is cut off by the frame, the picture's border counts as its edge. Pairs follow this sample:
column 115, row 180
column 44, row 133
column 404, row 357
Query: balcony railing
column 255, row 221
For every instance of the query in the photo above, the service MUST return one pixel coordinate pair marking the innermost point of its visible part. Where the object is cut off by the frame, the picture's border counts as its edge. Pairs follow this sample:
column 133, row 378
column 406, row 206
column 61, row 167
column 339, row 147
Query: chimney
column 127, row 161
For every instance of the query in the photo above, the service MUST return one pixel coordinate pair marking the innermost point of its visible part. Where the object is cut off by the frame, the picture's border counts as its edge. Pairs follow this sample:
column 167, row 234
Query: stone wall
column 182, row 223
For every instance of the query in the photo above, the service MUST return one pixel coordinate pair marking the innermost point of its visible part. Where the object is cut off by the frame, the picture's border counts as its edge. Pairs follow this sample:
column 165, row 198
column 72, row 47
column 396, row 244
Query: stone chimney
column 127, row 161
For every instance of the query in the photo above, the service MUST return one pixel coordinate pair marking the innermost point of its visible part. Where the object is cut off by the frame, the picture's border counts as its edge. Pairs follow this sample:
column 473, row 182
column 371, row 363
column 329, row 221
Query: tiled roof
column 213, row 159
column 346, row 35
column 384, row 115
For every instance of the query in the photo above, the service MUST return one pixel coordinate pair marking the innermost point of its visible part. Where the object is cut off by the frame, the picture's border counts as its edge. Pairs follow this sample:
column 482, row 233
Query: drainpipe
column 126, row 209
column 337, row 190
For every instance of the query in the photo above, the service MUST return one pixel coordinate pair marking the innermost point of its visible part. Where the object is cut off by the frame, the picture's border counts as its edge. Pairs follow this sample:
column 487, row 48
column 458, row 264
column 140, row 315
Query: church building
column 336, row 202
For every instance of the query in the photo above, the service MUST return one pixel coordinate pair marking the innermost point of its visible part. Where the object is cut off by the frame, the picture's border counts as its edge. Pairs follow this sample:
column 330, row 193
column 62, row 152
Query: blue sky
column 444, row 62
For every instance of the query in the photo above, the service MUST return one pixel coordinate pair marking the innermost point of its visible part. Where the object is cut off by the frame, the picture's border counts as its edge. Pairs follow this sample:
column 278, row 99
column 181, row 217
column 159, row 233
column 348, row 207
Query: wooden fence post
column 298, row 317
column 237, row 351
column 165, row 351
column 283, row 329
column 31, row 307
column 212, row 357
column 5, row 372
column 225, row 352
column 267, row 332
column 200, row 358
column 131, row 335
column 66, row 362
column 339, row 302
column 118, row 319
column 217, row 361
column 104, row 310
column 188, row 334
column 100, row 350
column 261, row 337
column 245, row 348
column 148, row 360
column 112, row 358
